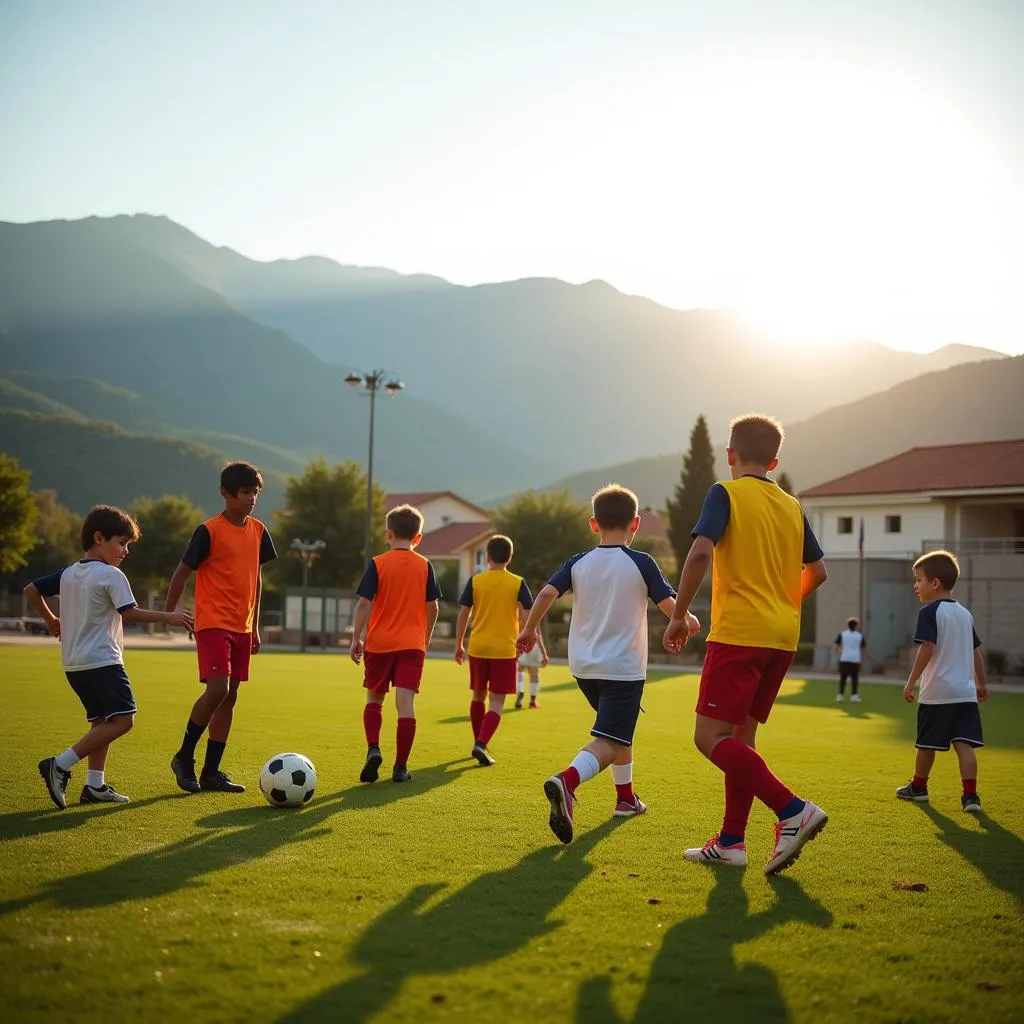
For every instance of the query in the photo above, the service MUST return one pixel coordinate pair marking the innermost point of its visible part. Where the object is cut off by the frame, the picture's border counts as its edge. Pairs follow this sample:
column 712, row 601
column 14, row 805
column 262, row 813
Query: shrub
column 997, row 662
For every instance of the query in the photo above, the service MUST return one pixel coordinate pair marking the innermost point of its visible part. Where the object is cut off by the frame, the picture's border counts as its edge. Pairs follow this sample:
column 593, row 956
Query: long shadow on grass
column 24, row 824
column 239, row 835
column 481, row 923
column 995, row 852
column 696, row 967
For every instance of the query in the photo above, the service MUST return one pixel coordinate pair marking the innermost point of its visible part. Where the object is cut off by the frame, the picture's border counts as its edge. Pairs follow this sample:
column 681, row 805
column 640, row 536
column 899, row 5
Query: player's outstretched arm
column 460, row 634
column 812, row 577
column 43, row 610
column 528, row 634
column 432, row 611
column 362, row 616
column 182, row 618
column 682, row 624
column 980, row 683
column 924, row 655
column 177, row 586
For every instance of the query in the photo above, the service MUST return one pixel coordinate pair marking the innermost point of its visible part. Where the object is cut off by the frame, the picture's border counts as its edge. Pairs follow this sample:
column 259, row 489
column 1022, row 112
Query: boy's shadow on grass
column 488, row 919
column 25, row 824
column 696, row 966
column 997, row 853
column 241, row 835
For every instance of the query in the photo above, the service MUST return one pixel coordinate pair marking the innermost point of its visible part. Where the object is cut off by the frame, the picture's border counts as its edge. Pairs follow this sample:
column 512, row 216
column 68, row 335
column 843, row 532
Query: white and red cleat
column 712, row 853
column 630, row 809
column 792, row 833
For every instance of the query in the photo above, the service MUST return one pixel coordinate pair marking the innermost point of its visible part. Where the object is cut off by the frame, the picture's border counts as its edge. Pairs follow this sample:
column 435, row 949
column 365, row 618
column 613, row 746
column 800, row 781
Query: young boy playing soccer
column 951, row 673
column 497, row 602
column 95, row 599
column 851, row 646
column 531, row 663
column 611, row 585
column 227, row 554
column 765, row 561
column 394, row 621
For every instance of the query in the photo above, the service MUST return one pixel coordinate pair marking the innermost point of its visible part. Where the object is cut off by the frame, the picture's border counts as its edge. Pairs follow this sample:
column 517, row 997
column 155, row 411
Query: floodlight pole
column 307, row 552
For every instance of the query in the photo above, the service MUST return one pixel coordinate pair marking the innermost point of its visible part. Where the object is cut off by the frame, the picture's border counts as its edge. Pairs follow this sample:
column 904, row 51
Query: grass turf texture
column 448, row 898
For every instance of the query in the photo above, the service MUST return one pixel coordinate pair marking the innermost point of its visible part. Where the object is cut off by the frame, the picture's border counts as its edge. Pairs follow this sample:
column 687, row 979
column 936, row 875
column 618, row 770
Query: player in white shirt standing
column 95, row 598
column 951, row 672
column 851, row 646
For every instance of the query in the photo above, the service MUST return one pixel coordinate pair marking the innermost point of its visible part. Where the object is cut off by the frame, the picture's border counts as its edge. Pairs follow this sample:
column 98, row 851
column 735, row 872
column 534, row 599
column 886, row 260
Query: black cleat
column 102, row 795
column 400, row 774
column 970, row 802
column 56, row 780
column 519, row 702
column 371, row 769
column 218, row 782
column 185, row 774
column 481, row 753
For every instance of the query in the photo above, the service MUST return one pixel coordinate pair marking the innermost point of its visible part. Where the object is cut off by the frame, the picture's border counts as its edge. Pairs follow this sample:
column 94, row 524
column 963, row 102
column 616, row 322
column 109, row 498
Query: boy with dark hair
column 95, row 599
column 394, row 622
column 227, row 554
column 766, row 561
column 611, row 585
column 850, row 645
column 496, row 601
column 951, row 671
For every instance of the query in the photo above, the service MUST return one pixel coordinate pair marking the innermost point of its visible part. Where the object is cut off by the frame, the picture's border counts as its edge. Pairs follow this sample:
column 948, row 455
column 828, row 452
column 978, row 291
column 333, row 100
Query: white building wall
column 918, row 522
column 441, row 511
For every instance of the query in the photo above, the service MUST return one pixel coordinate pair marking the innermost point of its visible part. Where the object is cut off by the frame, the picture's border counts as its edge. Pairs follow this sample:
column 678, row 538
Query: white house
column 873, row 524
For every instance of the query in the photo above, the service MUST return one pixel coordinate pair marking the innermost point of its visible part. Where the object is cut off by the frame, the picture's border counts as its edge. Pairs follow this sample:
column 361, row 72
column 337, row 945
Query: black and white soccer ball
column 288, row 780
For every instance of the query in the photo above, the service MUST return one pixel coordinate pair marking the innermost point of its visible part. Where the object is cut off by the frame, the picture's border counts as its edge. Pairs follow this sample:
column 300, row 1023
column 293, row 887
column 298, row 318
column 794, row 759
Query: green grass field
column 448, row 898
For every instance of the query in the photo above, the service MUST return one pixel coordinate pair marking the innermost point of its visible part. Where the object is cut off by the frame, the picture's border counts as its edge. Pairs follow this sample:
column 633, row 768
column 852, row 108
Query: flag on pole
column 860, row 540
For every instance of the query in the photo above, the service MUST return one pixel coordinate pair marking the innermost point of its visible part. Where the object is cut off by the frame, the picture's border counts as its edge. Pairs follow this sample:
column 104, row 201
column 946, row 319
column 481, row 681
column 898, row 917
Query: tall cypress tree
column 695, row 478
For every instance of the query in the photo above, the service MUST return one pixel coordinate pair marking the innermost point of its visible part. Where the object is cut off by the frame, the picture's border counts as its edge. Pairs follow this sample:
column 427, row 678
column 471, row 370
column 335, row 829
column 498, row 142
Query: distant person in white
column 95, row 598
column 951, row 673
column 851, row 646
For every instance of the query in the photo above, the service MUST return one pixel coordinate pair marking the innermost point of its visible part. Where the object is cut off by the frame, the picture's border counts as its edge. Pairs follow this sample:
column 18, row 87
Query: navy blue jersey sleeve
column 525, row 597
column 562, row 579
column 368, row 584
column 49, row 586
column 267, row 550
column 198, row 548
column 812, row 549
column 466, row 598
column 927, row 631
column 657, row 586
column 433, row 589
column 714, row 516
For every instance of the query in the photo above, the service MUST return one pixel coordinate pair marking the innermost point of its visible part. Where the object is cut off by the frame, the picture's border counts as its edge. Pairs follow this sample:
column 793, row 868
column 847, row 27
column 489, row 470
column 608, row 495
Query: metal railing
column 978, row 545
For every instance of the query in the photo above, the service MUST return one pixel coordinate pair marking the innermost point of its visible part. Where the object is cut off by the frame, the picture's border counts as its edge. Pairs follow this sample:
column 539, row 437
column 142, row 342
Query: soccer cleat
column 854, row 698
column 911, row 792
column 519, row 702
column 562, row 802
column 839, row 698
column 971, row 802
column 400, row 774
column 185, row 774
column 56, row 780
column 218, row 782
column 791, row 834
column 712, row 853
column 102, row 795
column 534, row 705
column 481, row 753
column 372, row 765
column 630, row 809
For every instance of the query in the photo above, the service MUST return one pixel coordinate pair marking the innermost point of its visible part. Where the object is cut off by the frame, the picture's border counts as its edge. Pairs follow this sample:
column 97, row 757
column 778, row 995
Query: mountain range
column 136, row 321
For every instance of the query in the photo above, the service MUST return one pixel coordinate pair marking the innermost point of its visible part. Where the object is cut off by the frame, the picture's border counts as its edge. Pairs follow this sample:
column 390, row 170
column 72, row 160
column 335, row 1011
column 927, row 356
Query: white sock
column 534, row 689
column 586, row 764
column 95, row 779
column 519, row 684
column 622, row 773
column 67, row 760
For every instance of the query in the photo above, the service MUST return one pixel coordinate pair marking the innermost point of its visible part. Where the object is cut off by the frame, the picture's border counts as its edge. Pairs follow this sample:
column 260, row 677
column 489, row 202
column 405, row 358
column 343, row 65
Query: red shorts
column 402, row 669
column 223, row 653
column 741, row 681
column 495, row 674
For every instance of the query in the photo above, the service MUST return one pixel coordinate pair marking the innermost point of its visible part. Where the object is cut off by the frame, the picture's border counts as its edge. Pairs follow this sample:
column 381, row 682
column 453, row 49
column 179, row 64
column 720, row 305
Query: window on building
column 894, row 524
column 845, row 524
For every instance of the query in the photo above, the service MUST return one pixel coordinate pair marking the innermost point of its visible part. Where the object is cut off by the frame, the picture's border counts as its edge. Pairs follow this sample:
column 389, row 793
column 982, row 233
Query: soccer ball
column 288, row 780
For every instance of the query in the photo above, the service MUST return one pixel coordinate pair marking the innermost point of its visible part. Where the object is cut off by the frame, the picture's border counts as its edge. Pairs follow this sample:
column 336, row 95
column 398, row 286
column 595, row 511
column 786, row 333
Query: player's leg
column 854, row 682
column 534, row 686
column 519, row 686
column 967, row 737
column 501, row 682
column 478, row 694
column 377, row 672
column 212, row 779
column 627, row 803
column 407, row 674
column 934, row 732
column 843, row 670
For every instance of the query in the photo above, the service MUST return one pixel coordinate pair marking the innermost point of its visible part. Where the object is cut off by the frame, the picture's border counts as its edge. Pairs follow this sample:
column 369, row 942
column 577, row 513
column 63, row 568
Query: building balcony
column 977, row 545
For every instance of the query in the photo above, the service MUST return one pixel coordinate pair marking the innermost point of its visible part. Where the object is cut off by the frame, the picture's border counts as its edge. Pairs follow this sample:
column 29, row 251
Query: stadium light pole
column 307, row 552
column 372, row 382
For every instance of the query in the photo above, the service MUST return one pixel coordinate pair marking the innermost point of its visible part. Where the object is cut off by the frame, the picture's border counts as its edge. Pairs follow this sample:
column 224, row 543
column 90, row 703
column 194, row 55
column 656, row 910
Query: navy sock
column 214, row 752
column 795, row 806
column 729, row 839
column 193, row 732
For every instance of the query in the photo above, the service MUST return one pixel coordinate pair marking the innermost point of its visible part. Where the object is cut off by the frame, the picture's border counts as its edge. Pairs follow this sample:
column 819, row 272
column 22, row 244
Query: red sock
column 476, row 716
column 739, row 798
column 372, row 716
column 970, row 786
column 919, row 783
column 624, row 791
column 488, row 727
column 404, row 736
column 571, row 778
column 749, row 769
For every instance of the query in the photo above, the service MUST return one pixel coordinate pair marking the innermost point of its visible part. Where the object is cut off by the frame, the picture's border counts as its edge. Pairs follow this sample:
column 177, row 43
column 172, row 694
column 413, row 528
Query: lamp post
column 372, row 382
column 307, row 552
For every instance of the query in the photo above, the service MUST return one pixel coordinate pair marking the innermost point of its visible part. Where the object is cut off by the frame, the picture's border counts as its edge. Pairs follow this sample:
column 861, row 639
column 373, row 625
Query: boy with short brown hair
column 394, row 621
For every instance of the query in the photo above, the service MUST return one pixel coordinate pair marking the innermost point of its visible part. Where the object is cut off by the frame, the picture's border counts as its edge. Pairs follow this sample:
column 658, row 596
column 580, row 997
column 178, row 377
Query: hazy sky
column 827, row 167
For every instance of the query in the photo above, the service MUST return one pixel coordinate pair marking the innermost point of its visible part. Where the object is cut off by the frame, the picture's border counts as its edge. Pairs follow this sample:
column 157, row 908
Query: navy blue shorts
column 104, row 692
column 938, row 725
column 617, row 705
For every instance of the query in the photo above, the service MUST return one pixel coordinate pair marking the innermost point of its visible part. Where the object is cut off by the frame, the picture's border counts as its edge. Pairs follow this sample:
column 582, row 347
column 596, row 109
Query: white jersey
column 608, row 630
column 92, row 595
column 851, row 642
column 949, row 677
